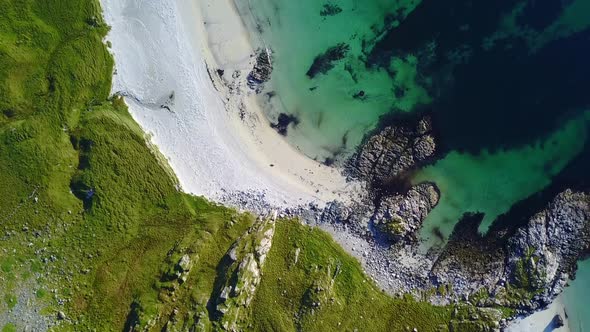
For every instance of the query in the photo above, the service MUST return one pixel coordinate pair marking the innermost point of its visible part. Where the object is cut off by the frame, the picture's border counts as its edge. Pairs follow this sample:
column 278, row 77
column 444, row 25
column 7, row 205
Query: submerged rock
column 325, row 61
column 330, row 10
column 283, row 123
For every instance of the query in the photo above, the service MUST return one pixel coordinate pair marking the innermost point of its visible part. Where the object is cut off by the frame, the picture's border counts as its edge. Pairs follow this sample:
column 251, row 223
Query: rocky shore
column 520, row 265
column 392, row 152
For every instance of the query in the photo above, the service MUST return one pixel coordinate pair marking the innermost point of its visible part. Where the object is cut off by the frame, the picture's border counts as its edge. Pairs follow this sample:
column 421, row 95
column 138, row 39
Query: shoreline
column 209, row 125
column 542, row 320
column 217, row 140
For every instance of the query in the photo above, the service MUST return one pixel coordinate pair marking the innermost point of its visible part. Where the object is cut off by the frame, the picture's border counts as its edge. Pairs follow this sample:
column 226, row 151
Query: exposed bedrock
column 393, row 151
column 261, row 71
column 399, row 217
column 525, row 269
column 392, row 210
column 523, row 262
column 543, row 255
column 242, row 273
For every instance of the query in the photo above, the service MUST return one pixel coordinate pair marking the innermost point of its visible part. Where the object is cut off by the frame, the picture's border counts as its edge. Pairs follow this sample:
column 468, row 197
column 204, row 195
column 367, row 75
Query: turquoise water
column 492, row 182
column 506, row 83
column 331, row 120
column 576, row 299
column 498, row 153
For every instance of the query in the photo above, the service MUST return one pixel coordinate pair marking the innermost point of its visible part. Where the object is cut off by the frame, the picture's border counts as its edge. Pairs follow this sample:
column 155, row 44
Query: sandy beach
column 207, row 123
column 542, row 321
column 208, row 126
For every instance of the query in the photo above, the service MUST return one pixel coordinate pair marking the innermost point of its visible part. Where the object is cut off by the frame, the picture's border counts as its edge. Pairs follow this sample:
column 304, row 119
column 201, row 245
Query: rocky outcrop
column 394, row 150
column 525, row 269
column 469, row 318
column 261, row 72
column 543, row 255
column 399, row 217
column 522, row 263
column 336, row 212
column 242, row 273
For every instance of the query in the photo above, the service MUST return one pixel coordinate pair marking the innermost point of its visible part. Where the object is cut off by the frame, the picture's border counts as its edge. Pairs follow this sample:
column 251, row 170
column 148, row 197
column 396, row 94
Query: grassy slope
column 288, row 291
column 91, row 221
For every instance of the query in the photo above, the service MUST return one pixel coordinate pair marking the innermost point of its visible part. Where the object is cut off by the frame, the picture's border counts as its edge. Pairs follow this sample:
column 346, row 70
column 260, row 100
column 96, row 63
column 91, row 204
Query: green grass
column 288, row 291
column 91, row 211
column 40, row 293
column 10, row 300
column 9, row 328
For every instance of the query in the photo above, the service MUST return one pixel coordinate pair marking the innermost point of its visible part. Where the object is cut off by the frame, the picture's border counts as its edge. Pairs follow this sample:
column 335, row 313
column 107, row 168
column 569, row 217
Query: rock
column 335, row 212
column 61, row 315
column 242, row 275
column 544, row 253
column 534, row 259
column 297, row 251
column 557, row 321
column 401, row 216
column 261, row 72
column 392, row 151
column 283, row 122
column 330, row 10
column 184, row 265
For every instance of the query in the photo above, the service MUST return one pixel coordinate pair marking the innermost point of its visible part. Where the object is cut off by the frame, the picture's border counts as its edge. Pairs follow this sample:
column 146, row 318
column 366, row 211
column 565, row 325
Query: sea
column 506, row 83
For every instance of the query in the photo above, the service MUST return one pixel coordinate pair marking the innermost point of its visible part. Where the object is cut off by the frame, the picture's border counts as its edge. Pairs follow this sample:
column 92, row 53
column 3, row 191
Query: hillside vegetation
column 94, row 234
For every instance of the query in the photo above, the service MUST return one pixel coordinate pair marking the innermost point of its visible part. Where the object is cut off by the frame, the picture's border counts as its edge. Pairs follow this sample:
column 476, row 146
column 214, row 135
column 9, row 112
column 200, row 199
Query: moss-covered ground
column 92, row 225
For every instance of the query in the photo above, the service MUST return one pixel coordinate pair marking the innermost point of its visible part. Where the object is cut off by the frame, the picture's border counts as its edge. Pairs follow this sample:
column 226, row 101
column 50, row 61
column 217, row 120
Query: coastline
column 542, row 320
column 216, row 140
column 214, row 134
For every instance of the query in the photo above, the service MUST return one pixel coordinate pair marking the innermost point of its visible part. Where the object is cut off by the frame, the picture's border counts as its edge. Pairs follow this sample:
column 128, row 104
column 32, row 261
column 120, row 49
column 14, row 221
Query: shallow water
column 575, row 298
column 499, row 80
column 505, row 82
column 331, row 120
column 491, row 182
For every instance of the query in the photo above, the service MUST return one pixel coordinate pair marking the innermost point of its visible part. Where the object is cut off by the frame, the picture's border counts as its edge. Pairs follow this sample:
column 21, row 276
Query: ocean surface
column 507, row 84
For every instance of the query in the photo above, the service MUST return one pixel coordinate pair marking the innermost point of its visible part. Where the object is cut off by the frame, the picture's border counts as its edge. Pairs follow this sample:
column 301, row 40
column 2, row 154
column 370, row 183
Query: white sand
column 541, row 321
column 164, row 47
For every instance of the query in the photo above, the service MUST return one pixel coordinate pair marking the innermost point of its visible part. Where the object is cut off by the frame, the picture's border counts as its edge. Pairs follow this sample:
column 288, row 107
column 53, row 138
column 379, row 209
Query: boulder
column 392, row 151
column 261, row 71
column 399, row 217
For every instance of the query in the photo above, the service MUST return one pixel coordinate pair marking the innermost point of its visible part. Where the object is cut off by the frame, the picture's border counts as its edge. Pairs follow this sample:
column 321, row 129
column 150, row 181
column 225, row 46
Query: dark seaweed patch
column 325, row 61
column 330, row 10
column 283, row 123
